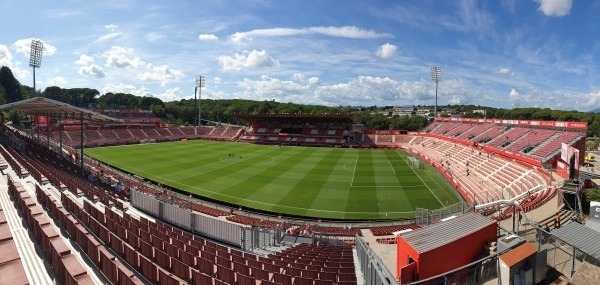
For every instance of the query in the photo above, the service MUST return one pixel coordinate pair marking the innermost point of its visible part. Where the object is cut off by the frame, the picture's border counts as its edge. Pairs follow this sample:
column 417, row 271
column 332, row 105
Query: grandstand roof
column 437, row 235
column 582, row 237
column 49, row 107
column 296, row 117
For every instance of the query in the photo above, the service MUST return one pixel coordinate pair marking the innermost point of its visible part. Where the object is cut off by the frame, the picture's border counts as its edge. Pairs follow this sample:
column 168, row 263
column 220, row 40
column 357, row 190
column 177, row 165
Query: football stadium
column 284, row 199
column 313, row 149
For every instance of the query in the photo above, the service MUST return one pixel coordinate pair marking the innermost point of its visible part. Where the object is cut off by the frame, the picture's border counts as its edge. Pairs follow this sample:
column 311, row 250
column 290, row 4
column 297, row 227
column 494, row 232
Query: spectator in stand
column 557, row 221
column 118, row 187
column 306, row 232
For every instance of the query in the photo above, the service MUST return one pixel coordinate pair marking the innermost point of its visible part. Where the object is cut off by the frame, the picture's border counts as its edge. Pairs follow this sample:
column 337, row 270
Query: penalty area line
column 422, row 180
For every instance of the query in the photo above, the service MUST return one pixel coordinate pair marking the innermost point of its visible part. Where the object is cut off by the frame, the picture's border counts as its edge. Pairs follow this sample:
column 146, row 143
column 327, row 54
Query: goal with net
column 415, row 163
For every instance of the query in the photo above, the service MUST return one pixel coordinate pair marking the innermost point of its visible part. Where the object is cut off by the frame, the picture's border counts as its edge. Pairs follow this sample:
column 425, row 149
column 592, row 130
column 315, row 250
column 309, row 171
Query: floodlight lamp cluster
column 436, row 73
column 35, row 55
column 200, row 81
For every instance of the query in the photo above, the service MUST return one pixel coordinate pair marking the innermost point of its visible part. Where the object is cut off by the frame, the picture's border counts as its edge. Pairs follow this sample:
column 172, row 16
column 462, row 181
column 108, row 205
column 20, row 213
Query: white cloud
column 472, row 16
column 142, row 91
column 362, row 90
column 556, row 8
column 24, row 47
column 173, row 94
column 118, row 88
column 162, row 74
column 593, row 98
column 371, row 90
column 247, row 60
column 111, row 27
column 88, row 68
column 299, row 89
column 268, row 88
column 314, row 81
column 366, row 90
column 240, row 38
column 208, row 38
column 61, row 13
column 299, row 77
column 386, row 51
column 84, row 59
column 217, row 80
column 108, row 36
column 555, row 99
column 505, row 71
column 5, row 56
column 455, row 100
column 122, row 57
column 515, row 98
column 92, row 70
column 513, row 95
column 57, row 81
column 350, row 32
column 153, row 36
column 6, row 59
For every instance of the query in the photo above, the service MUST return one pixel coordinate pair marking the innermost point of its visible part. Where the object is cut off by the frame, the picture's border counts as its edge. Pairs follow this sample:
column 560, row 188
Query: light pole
column 35, row 57
column 200, row 81
column 436, row 76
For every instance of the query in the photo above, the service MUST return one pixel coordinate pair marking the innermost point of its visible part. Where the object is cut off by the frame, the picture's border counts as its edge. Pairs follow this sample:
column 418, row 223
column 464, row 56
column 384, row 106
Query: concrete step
column 33, row 263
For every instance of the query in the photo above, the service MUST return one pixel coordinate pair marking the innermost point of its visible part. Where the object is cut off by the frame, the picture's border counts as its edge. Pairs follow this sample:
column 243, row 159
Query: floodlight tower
column 436, row 76
column 35, row 57
column 200, row 81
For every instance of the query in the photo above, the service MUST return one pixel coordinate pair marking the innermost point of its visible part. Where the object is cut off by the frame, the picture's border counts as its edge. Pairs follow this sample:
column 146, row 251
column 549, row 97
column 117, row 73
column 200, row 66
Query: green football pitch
column 329, row 183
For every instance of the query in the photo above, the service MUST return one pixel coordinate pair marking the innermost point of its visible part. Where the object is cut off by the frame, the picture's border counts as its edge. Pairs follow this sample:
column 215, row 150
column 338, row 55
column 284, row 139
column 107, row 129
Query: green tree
column 12, row 87
column 592, row 194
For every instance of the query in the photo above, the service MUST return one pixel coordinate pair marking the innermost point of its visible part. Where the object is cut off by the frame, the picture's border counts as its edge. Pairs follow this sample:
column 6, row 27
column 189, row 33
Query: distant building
column 410, row 111
column 479, row 111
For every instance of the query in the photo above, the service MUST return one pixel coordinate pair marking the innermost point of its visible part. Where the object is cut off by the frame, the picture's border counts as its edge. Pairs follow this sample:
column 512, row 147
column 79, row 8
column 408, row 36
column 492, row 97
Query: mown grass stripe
column 318, row 182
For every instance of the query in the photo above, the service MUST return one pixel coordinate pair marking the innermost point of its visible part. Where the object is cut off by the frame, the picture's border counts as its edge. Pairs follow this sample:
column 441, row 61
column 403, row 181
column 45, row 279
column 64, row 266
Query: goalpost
column 415, row 163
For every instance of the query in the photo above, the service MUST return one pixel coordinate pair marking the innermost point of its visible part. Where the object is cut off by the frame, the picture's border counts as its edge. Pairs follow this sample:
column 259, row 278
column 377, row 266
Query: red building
column 442, row 247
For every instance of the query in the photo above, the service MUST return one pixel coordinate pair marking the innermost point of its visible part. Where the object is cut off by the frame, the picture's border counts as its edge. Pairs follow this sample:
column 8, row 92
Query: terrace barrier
column 374, row 270
column 186, row 219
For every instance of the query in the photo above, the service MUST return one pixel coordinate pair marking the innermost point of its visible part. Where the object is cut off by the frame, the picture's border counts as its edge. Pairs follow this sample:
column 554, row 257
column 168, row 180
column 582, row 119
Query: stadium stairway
column 565, row 218
column 40, row 269
column 542, row 215
column 32, row 263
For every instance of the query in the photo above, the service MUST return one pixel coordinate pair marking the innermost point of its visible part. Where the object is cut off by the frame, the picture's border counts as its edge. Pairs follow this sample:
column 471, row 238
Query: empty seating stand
column 66, row 267
column 388, row 230
column 130, row 250
column 309, row 264
column 11, row 268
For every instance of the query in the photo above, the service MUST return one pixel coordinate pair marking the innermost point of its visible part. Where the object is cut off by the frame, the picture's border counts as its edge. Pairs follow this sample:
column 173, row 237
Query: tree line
column 185, row 111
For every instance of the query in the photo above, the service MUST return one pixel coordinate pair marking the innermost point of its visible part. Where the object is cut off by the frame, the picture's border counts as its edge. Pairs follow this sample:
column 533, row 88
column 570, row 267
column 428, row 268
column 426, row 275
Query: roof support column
column 573, row 261
column 514, row 213
column 48, row 130
column 60, row 147
column 81, row 136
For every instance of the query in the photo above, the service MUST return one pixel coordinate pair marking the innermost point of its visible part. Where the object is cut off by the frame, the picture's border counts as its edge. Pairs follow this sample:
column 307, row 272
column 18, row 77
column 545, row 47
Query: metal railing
column 374, row 270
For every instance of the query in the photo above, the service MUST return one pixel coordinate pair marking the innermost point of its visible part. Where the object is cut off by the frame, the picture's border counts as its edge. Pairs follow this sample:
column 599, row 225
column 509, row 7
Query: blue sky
column 505, row 53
